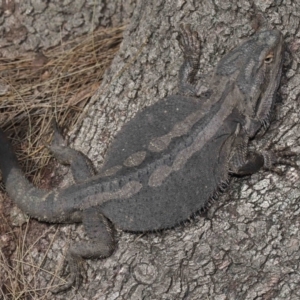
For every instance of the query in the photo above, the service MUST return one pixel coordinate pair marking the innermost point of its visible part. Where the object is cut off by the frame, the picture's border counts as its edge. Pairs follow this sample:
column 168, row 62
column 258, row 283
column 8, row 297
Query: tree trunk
column 247, row 245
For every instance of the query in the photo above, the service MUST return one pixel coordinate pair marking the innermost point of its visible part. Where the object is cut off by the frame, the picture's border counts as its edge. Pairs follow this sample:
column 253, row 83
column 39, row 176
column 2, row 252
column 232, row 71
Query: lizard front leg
column 244, row 162
column 190, row 45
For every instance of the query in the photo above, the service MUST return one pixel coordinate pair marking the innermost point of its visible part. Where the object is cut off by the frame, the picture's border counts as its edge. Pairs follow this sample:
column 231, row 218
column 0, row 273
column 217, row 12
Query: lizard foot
column 75, row 279
column 190, row 44
column 58, row 146
column 280, row 156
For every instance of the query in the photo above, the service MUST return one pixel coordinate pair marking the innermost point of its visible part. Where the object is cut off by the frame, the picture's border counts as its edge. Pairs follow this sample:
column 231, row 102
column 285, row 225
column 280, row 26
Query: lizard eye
column 269, row 58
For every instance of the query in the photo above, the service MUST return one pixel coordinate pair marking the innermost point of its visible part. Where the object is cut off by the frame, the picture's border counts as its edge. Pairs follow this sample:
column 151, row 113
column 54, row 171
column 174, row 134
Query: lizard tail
column 8, row 160
column 33, row 201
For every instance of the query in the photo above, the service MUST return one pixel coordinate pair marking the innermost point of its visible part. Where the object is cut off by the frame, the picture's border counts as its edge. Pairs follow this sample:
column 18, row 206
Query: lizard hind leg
column 80, row 165
column 100, row 244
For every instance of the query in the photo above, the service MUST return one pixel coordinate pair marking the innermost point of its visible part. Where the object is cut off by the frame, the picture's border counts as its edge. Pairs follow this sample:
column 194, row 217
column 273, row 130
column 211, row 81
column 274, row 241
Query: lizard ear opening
column 269, row 58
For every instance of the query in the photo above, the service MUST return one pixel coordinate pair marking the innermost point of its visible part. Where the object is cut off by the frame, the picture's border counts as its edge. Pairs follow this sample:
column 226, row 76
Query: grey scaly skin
column 170, row 160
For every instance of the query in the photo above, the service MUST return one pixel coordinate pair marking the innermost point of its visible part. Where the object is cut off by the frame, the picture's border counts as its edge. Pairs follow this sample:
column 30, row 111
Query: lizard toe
column 279, row 157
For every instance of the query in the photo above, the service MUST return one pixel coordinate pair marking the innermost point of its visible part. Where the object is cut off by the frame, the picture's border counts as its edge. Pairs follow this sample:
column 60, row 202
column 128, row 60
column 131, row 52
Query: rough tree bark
column 248, row 245
column 31, row 25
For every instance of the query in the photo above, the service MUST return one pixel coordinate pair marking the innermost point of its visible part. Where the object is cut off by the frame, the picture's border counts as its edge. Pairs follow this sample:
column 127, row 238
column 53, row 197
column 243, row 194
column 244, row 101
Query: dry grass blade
column 55, row 84
column 21, row 273
column 33, row 90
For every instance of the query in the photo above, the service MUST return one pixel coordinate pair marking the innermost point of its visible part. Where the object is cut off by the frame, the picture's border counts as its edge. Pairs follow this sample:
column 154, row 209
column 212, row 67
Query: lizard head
column 268, row 73
column 255, row 67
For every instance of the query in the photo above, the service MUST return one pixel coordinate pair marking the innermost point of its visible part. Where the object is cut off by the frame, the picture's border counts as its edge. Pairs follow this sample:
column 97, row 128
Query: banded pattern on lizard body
column 168, row 161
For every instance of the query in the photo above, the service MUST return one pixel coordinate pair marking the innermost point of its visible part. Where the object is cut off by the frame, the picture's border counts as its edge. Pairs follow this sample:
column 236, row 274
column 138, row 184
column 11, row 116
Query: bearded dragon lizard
column 171, row 159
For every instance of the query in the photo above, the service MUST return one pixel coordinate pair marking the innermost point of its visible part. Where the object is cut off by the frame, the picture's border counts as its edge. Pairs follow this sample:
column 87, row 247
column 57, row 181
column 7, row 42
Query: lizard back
column 181, row 167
